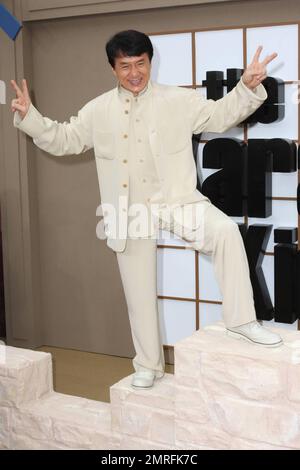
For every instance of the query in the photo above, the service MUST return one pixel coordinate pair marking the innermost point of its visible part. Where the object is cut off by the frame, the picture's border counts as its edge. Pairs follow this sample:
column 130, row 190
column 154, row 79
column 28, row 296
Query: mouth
column 136, row 82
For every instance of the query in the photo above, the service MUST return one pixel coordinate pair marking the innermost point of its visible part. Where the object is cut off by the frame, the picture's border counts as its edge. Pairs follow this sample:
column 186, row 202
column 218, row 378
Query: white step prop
column 225, row 394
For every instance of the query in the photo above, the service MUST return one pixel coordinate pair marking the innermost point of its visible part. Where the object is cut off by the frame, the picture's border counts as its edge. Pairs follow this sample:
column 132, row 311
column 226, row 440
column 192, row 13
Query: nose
column 134, row 72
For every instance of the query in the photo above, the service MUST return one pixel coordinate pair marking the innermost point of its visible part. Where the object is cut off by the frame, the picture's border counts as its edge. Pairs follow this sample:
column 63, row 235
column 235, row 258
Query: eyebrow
column 128, row 63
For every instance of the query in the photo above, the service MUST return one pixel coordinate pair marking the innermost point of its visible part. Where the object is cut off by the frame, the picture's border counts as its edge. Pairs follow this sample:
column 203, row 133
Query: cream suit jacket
column 176, row 113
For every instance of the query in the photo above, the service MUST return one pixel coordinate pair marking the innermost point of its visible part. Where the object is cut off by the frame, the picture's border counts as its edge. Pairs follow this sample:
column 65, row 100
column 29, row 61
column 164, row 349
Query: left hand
column 256, row 71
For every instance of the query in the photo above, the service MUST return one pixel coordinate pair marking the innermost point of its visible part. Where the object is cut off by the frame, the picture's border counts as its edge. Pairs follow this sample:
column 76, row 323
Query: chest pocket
column 104, row 145
column 174, row 138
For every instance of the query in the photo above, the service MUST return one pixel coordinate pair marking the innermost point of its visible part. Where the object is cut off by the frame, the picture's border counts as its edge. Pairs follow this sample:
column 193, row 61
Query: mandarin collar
column 145, row 92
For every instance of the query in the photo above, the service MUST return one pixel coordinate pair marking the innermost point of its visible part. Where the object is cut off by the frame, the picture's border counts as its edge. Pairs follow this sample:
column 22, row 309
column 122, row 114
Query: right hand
column 23, row 101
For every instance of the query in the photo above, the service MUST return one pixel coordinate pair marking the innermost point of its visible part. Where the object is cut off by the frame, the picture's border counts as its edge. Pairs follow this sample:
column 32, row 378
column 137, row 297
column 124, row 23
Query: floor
column 86, row 374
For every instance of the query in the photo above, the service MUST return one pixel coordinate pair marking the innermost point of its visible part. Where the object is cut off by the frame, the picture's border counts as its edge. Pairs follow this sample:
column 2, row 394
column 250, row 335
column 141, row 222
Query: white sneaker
column 256, row 333
column 144, row 378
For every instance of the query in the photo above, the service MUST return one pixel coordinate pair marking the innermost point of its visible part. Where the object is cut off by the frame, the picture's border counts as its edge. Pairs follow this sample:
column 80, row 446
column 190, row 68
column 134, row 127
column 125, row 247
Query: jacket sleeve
column 219, row 116
column 59, row 139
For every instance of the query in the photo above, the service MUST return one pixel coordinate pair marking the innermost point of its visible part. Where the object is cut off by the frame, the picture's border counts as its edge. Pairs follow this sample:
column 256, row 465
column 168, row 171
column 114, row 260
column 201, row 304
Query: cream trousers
column 216, row 235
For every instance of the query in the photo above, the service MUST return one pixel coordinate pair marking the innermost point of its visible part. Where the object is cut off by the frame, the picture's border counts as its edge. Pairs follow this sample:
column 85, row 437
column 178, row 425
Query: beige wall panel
column 55, row 266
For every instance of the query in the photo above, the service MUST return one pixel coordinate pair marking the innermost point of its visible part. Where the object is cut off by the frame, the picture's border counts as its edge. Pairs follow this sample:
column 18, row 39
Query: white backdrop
column 173, row 65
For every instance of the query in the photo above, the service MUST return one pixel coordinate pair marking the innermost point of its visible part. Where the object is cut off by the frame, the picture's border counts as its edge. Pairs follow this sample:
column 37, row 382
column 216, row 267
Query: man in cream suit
column 141, row 133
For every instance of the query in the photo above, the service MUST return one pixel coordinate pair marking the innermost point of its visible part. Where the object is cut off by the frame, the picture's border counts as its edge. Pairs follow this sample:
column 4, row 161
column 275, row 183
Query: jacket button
column 125, row 136
column 124, row 161
column 126, row 111
column 124, row 185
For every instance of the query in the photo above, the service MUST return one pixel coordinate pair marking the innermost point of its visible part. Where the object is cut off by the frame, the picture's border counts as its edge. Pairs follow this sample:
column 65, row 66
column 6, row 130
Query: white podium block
column 63, row 421
column 231, row 393
column 5, row 426
column 25, row 375
column 146, row 414
column 225, row 394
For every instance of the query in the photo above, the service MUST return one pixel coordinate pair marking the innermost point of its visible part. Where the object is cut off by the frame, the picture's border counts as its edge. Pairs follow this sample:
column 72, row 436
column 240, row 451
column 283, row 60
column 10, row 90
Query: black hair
column 128, row 43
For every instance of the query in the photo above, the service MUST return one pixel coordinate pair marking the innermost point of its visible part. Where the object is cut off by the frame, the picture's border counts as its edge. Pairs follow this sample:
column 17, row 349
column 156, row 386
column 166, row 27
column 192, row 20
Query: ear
column 113, row 71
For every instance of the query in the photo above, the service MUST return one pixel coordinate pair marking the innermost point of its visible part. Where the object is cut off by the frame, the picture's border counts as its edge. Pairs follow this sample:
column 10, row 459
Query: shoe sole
column 137, row 387
column 241, row 336
column 150, row 386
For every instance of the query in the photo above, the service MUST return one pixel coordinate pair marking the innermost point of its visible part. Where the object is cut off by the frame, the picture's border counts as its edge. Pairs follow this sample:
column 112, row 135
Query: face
column 133, row 73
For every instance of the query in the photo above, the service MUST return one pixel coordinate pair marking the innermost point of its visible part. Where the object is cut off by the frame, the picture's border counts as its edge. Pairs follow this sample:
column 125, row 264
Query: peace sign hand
column 256, row 71
column 23, row 101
